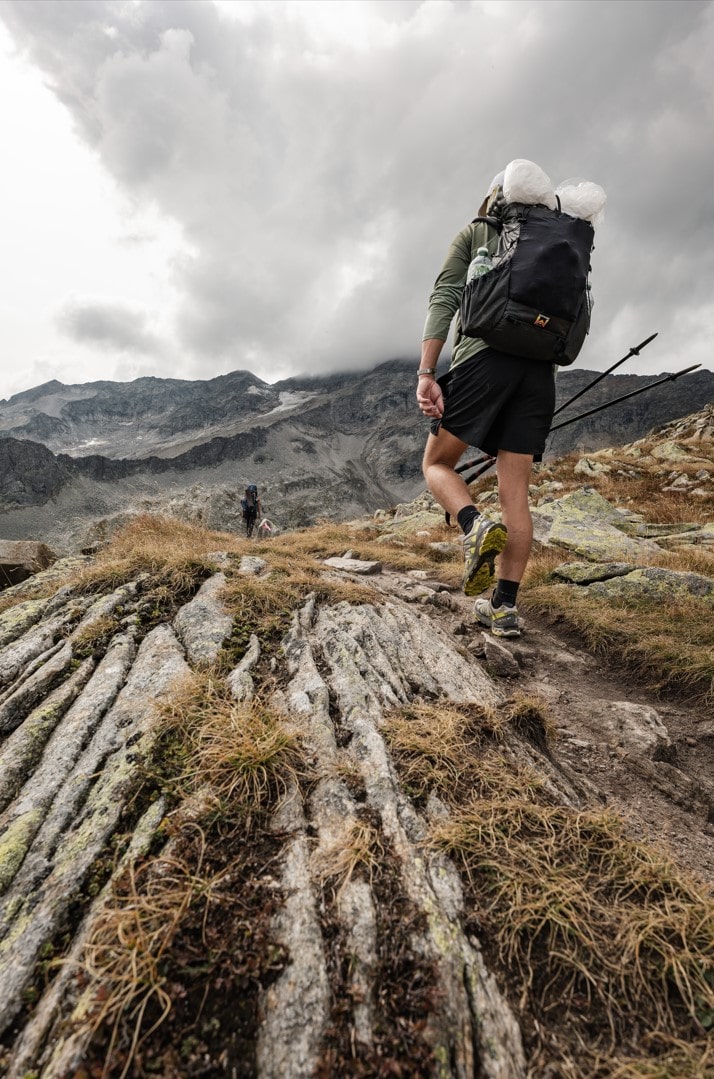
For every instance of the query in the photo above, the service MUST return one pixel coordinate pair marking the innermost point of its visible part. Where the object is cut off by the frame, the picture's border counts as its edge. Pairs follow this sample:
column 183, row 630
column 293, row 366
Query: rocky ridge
column 333, row 446
column 86, row 675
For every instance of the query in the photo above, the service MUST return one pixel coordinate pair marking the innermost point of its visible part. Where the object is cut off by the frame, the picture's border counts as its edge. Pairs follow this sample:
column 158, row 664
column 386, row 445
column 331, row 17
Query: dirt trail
column 610, row 740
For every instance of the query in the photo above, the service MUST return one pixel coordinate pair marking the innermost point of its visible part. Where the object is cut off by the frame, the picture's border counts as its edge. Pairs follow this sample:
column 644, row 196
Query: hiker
column 251, row 508
column 500, row 401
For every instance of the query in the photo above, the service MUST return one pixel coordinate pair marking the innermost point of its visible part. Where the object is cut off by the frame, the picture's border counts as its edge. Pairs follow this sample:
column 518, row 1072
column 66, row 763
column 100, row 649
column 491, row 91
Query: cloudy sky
column 191, row 187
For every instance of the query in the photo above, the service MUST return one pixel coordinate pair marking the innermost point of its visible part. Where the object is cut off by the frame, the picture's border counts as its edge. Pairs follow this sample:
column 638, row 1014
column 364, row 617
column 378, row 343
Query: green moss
column 14, row 845
column 17, row 618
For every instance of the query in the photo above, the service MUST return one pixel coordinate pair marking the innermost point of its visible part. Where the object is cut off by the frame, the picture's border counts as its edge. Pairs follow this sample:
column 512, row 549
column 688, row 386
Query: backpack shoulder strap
column 492, row 221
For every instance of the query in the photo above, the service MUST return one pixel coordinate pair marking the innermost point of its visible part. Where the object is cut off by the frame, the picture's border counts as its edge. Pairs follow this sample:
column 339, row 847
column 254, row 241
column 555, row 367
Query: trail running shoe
column 502, row 621
column 481, row 545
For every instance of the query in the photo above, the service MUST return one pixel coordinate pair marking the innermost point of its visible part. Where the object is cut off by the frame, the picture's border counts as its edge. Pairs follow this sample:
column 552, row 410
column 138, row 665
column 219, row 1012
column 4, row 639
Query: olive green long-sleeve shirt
column 445, row 298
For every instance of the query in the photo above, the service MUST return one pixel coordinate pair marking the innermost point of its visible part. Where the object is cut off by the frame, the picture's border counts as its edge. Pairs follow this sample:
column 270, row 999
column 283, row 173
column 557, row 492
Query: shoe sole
column 483, row 572
column 487, row 621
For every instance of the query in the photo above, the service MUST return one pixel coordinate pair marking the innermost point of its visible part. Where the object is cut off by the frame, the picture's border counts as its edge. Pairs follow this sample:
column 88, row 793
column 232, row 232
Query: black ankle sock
column 466, row 517
column 505, row 592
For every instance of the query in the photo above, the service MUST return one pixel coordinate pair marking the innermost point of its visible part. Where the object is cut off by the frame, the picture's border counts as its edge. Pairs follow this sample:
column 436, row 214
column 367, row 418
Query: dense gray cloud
column 110, row 326
column 318, row 186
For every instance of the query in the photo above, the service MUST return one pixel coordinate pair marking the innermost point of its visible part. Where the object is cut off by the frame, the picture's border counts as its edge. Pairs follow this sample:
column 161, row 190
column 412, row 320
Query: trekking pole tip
column 636, row 350
column 686, row 371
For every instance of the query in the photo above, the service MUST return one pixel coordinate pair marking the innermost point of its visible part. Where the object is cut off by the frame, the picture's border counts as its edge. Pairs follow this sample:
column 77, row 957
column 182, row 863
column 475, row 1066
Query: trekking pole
column 625, row 396
column 633, row 352
column 485, row 461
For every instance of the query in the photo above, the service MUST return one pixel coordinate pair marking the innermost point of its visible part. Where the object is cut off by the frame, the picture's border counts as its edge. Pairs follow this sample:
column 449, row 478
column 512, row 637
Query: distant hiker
column 501, row 399
column 251, row 508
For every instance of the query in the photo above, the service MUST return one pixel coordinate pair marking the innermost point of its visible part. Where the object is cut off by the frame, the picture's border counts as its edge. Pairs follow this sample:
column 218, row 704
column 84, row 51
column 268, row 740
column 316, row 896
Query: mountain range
column 326, row 446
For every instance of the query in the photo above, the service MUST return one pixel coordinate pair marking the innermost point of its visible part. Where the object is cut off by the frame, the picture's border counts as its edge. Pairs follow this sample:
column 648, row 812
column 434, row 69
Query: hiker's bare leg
column 514, row 473
column 440, row 458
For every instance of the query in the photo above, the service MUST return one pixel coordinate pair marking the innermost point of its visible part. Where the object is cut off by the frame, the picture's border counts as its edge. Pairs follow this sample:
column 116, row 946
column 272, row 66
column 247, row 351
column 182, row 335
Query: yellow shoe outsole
column 482, row 572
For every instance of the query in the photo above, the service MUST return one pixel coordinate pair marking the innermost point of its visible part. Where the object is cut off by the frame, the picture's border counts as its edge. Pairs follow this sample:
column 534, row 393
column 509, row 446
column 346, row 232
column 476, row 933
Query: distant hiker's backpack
column 249, row 503
column 535, row 301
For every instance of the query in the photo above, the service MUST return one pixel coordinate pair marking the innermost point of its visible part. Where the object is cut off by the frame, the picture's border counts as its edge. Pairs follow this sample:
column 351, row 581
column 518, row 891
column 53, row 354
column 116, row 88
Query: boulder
column 20, row 559
column 636, row 728
column 589, row 572
column 588, row 466
column 669, row 451
column 592, row 538
column 656, row 583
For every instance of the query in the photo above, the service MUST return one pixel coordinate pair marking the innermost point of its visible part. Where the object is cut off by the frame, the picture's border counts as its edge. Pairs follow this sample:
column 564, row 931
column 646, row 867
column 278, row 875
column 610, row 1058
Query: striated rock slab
column 250, row 566
column 240, row 680
column 43, row 1040
column 16, row 620
column 99, row 786
column 348, row 666
column 17, row 657
column 203, row 625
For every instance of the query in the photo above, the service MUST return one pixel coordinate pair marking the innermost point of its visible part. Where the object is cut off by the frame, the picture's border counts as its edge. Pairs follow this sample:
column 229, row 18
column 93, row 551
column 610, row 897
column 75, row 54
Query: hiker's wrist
column 426, row 372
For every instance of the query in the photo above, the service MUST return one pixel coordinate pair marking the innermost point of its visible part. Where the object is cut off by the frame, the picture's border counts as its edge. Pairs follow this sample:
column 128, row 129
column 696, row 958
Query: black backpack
column 535, row 302
column 249, row 502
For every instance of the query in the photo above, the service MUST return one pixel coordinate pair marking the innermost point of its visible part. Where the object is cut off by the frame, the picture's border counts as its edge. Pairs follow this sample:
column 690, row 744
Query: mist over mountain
column 329, row 446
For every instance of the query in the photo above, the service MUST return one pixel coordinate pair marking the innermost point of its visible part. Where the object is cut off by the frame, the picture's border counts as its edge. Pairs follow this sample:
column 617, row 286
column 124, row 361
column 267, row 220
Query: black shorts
column 496, row 401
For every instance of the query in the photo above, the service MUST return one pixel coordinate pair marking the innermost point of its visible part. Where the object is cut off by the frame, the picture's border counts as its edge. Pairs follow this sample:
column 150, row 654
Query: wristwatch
column 426, row 371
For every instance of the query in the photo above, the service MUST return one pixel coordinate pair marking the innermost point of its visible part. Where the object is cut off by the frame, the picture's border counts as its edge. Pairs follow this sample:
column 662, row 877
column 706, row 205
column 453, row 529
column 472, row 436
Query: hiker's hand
column 429, row 397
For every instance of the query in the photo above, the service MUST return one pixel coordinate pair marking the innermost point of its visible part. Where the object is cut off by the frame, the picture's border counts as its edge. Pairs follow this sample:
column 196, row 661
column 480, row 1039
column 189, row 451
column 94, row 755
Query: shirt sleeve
column 445, row 297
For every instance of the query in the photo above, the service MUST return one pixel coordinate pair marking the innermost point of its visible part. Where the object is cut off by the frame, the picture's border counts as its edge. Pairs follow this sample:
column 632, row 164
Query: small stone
column 354, row 565
column 441, row 599
column 499, row 659
column 443, row 548
column 250, row 566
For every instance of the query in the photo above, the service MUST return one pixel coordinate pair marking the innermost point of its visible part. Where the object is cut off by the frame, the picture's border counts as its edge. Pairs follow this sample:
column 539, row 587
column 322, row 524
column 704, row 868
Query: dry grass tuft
column 358, row 847
column 228, row 765
column 124, row 956
column 440, row 748
column 599, row 938
column 101, row 628
column 244, row 752
column 330, row 540
column 670, row 646
column 676, row 1059
column 164, row 547
column 593, row 924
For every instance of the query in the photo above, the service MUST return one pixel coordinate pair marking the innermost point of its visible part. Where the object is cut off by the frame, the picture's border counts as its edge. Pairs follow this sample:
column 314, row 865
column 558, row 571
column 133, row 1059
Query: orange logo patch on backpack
column 541, row 320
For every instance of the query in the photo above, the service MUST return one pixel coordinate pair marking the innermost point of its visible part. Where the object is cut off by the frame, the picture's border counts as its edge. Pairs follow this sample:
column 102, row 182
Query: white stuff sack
column 524, row 181
column 582, row 198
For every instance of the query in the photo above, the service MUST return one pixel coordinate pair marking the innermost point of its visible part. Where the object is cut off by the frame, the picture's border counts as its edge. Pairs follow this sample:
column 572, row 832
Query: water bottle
column 480, row 265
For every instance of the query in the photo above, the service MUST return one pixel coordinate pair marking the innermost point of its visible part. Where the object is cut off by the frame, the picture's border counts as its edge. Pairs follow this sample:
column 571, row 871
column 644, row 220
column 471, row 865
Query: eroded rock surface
column 80, row 716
